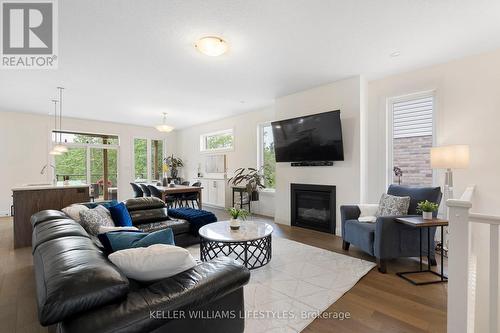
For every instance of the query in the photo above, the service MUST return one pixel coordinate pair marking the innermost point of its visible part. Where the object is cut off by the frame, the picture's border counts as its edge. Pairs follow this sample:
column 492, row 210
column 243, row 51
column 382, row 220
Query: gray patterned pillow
column 391, row 205
column 92, row 219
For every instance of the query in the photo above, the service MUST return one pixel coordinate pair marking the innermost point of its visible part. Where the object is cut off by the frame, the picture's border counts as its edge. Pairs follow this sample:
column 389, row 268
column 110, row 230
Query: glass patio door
column 104, row 173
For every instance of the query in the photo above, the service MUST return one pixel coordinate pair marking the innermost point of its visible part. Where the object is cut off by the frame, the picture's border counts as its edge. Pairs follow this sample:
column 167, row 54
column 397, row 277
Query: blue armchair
column 386, row 238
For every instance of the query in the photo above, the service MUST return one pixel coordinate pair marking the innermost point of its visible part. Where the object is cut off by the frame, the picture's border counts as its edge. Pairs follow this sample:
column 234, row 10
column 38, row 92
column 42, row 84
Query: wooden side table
column 420, row 223
column 241, row 190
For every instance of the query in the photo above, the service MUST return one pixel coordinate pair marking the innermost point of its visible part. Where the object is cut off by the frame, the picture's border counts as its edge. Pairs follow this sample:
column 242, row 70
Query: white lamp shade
column 450, row 157
column 61, row 148
column 164, row 128
column 55, row 152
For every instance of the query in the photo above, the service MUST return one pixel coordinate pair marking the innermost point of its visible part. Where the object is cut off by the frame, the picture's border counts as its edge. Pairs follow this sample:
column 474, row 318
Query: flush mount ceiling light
column 164, row 127
column 212, row 46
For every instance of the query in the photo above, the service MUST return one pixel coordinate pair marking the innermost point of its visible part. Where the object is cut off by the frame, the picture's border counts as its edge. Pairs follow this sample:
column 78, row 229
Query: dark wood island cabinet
column 29, row 200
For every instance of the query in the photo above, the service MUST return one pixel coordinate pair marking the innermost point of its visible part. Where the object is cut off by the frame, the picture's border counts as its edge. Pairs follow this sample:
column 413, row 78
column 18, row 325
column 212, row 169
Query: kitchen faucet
column 45, row 168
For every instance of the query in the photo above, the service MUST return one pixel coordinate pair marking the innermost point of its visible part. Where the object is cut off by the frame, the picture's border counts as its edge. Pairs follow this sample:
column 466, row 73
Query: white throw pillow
column 73, row 211
column 154, row 262
column 104, row 229
column 368, row 212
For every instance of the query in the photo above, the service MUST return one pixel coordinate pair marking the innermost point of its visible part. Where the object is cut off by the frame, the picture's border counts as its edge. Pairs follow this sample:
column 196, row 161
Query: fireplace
column 313, row 207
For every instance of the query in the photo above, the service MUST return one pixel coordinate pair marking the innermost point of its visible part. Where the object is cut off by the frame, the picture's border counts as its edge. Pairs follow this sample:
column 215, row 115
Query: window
column 148, row 160
column 222, row 140
column 72, row 166
column 411, row 138
column 84, row 138
column 141, row 160
column 91, row 159
column 266, row 158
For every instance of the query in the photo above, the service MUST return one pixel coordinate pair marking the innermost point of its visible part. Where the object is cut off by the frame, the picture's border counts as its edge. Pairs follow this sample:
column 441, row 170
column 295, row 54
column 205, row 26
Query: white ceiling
column 129, row 61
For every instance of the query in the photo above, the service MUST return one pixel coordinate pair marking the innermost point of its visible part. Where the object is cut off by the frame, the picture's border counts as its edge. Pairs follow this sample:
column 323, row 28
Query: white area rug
column 300, row 282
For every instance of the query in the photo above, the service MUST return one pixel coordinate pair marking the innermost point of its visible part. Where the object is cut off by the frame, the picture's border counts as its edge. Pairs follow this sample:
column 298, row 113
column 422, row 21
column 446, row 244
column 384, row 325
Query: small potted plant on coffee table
column 427, row 208
column 237, row 215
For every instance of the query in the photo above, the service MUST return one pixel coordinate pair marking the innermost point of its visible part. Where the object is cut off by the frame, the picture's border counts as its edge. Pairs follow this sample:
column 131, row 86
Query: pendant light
column 60, row 147
column 53, row 151
column 164, row 127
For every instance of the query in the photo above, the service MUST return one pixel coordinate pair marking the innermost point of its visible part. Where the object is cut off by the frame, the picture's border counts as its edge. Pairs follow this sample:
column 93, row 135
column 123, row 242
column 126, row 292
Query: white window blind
column 413, row 117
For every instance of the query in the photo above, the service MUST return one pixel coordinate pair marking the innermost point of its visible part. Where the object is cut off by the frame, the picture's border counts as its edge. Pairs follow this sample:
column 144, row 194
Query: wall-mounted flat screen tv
column 316, row 137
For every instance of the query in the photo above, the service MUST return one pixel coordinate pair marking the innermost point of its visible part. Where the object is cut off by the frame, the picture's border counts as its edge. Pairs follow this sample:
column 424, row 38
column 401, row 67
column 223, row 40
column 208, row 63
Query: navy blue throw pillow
column 120, row 215
column 120, row 240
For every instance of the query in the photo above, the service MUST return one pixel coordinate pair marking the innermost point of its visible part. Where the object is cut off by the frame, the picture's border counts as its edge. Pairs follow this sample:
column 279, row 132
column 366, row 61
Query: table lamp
column 449, row 157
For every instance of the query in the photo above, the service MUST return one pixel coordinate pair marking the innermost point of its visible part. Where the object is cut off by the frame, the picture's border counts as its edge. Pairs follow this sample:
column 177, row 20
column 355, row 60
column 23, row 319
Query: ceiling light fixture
column 164, row 127
column 212, row 46
column 54, row 151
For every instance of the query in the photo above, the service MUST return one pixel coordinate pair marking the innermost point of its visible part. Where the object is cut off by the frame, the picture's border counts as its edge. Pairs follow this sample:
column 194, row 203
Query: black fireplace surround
column 314, row 207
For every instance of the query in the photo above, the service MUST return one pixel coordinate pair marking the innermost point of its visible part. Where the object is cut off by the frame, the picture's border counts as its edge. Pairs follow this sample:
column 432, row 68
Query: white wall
column 244, row 153
column 467, row 112
column 25, row 142
column 345, row 175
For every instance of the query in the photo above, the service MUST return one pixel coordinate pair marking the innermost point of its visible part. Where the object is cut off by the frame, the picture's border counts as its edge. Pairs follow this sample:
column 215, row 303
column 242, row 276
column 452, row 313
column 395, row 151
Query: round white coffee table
column 250, row 245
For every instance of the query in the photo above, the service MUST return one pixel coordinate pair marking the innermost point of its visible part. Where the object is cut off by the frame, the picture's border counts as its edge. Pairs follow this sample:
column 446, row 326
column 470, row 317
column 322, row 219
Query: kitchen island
column 30, row 199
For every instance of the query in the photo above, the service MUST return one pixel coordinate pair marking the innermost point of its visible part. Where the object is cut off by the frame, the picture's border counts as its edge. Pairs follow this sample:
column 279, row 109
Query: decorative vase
column 174, row 172
column 234, row 224
column 427, row 215
column 254, row 196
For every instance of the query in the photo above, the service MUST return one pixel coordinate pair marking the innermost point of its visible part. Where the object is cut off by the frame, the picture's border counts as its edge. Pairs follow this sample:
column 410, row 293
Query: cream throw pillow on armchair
column 368, row 212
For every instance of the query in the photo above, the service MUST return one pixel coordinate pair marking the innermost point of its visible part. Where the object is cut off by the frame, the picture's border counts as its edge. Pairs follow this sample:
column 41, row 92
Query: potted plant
column 252, row 178
column 427, row 208
column 237, row 215
column 174, row 163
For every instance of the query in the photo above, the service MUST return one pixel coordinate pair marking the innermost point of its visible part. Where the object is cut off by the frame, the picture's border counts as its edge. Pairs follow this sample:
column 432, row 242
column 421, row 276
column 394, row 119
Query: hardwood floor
column 18, row 311
column 377, row 303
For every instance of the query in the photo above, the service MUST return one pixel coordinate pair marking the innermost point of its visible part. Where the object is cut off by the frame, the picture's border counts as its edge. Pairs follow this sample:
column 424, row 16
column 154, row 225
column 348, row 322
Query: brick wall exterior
column 412, row 155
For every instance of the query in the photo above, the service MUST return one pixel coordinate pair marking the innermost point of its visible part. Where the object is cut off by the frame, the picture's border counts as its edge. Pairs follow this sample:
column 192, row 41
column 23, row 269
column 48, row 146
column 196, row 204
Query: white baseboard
column 4, row 213
column 211, row 205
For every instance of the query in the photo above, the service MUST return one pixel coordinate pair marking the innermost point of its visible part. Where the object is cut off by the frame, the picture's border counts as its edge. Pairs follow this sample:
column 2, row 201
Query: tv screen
column 316, row 137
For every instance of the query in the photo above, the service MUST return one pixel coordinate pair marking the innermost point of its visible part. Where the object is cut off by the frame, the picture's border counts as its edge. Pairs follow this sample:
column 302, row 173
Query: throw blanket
column 197, row 218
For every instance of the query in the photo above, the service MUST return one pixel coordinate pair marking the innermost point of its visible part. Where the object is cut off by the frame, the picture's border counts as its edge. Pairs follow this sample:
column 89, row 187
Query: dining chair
column 186, row 183
column 138, row 192
column 192, row 197
column 155, row 192
column 145, row 189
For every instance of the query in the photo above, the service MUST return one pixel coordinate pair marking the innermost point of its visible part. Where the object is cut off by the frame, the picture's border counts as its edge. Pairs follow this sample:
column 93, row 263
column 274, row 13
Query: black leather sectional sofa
column 80, row 290
column 150, row 214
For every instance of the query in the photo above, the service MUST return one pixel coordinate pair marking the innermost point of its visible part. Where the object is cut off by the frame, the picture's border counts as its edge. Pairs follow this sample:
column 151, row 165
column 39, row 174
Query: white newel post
column 458, row 268
column 493, row 281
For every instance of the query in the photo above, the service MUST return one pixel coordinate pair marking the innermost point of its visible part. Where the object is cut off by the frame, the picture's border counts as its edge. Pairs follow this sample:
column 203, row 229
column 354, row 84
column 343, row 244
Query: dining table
column 169, row 190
